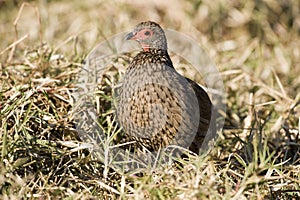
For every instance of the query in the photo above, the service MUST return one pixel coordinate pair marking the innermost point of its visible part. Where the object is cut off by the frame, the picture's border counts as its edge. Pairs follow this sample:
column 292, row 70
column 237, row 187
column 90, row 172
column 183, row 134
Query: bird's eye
column 147, row 33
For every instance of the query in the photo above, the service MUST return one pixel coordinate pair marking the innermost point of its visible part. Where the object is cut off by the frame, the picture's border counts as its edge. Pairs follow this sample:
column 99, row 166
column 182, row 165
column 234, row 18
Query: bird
column 159, row 107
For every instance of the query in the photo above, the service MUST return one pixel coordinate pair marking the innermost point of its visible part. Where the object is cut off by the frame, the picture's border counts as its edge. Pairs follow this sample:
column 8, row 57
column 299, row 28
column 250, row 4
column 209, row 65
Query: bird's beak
column 130, row 36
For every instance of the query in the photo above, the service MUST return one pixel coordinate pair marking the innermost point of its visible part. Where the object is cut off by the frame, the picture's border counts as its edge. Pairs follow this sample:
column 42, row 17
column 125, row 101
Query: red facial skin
column 142, row 35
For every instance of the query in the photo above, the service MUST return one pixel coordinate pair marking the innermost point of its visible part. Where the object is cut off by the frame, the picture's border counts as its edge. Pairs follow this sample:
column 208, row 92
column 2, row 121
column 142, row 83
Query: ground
column 255, row 46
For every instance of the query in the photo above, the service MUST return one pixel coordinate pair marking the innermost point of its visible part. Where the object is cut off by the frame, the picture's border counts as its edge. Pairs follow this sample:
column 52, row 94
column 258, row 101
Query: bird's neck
column 165, row 55
column 158, row 46
column 153, row 56
column 157, row 51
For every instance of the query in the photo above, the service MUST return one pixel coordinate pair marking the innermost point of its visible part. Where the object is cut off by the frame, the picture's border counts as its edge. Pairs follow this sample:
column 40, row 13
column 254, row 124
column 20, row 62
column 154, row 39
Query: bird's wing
column 205, row 105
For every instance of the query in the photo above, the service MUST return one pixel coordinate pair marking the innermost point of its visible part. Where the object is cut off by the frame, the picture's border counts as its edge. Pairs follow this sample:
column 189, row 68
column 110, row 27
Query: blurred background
column 260, row 28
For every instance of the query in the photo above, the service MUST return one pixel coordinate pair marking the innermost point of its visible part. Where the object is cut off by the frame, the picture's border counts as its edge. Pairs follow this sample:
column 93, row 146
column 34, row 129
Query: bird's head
column 149, row 35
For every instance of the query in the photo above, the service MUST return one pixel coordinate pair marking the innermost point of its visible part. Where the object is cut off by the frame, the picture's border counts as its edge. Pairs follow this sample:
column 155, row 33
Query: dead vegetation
column 256, row 46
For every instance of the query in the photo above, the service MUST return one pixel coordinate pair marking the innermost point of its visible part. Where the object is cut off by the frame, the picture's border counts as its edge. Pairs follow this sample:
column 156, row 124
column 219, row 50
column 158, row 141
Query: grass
column 256, row 46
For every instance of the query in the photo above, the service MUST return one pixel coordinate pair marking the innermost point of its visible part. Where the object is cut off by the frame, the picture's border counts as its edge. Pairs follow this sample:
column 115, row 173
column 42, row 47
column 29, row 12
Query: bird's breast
column 157, row 103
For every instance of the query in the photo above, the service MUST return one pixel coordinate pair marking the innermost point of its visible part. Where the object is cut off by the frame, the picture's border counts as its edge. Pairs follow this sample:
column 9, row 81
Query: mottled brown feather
column 157, row 105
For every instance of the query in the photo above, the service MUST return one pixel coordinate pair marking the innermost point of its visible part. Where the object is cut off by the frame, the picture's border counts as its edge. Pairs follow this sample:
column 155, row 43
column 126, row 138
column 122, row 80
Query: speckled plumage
column 159, row 107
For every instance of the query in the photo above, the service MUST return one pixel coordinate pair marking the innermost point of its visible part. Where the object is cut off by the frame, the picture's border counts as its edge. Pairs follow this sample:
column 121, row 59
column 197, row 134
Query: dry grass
column 256, row 46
